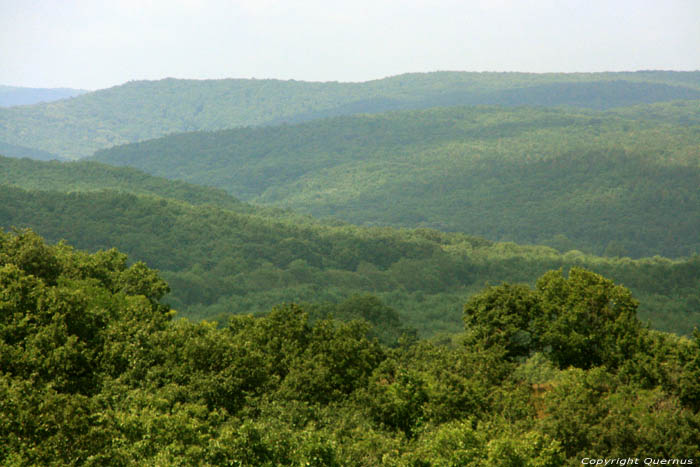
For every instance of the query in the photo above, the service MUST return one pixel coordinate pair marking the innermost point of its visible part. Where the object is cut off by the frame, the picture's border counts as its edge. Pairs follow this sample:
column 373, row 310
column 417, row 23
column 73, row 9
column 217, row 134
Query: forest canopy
column 96, row 370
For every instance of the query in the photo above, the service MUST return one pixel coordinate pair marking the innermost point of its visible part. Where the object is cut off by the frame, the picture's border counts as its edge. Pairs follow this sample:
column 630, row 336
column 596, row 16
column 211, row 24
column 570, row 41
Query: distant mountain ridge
column 14, row 95
column 142, row 110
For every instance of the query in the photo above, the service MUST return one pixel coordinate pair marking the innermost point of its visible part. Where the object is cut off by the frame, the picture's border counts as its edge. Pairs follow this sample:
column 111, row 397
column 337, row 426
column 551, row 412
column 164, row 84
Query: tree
column 504, row 316
column 584, row 320
column 587, row 320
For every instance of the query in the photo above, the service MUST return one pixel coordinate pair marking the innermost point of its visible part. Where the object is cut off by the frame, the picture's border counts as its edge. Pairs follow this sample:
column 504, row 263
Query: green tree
column 506, row 316
column 587, row 320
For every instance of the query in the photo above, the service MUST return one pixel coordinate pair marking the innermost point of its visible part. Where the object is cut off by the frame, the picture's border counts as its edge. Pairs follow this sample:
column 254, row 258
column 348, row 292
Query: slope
column 94, row 176
column 219, row 261
column 604, row 183
column 147, row 109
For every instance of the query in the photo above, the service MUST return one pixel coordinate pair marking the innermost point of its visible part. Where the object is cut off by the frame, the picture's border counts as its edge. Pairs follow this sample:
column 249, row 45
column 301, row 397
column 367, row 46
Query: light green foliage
column 453, row 444
column 532, row 450
column 468, row 444
column 593, row 412
column 537, row 369
column 688, row 384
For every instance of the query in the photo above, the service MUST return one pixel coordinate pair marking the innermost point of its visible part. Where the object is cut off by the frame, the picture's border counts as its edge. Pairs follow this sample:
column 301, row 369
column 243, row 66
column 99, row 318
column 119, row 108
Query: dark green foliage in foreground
column 220, row 262
column 94, row 371
column 589, row 181
column 142, row 110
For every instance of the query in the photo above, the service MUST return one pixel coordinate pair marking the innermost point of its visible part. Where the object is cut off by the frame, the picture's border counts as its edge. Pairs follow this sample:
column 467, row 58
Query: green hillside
column 142, row 110
column 220, row 262
column 94, row 176
column 623, row 183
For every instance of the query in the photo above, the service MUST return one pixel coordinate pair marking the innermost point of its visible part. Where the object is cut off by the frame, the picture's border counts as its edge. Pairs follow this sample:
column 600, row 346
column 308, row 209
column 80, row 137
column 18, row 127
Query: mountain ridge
column 141, row 110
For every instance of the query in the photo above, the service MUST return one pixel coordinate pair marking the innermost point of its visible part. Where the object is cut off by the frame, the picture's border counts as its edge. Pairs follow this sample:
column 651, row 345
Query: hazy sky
column 95, row 44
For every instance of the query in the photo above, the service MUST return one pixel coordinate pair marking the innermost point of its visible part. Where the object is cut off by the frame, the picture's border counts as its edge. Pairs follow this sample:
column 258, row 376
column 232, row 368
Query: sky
column 93, row 44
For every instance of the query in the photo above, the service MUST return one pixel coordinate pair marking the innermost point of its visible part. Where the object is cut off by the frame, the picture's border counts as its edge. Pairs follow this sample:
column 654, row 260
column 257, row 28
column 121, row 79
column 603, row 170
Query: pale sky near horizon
column 94, row 44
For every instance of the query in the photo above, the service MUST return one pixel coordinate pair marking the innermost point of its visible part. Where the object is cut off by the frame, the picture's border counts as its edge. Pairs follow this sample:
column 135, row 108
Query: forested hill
column 623, row 183
column 148, row 109
column 13, row 95
column 94, row 176
column 219, row 262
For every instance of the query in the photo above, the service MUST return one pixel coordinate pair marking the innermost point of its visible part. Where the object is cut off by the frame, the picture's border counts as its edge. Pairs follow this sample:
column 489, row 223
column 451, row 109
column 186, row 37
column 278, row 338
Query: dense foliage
column 677, row 112
column 220, row 261
column 94, row 370
column 588, row 181
column 93, row 176
column 148, row 109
